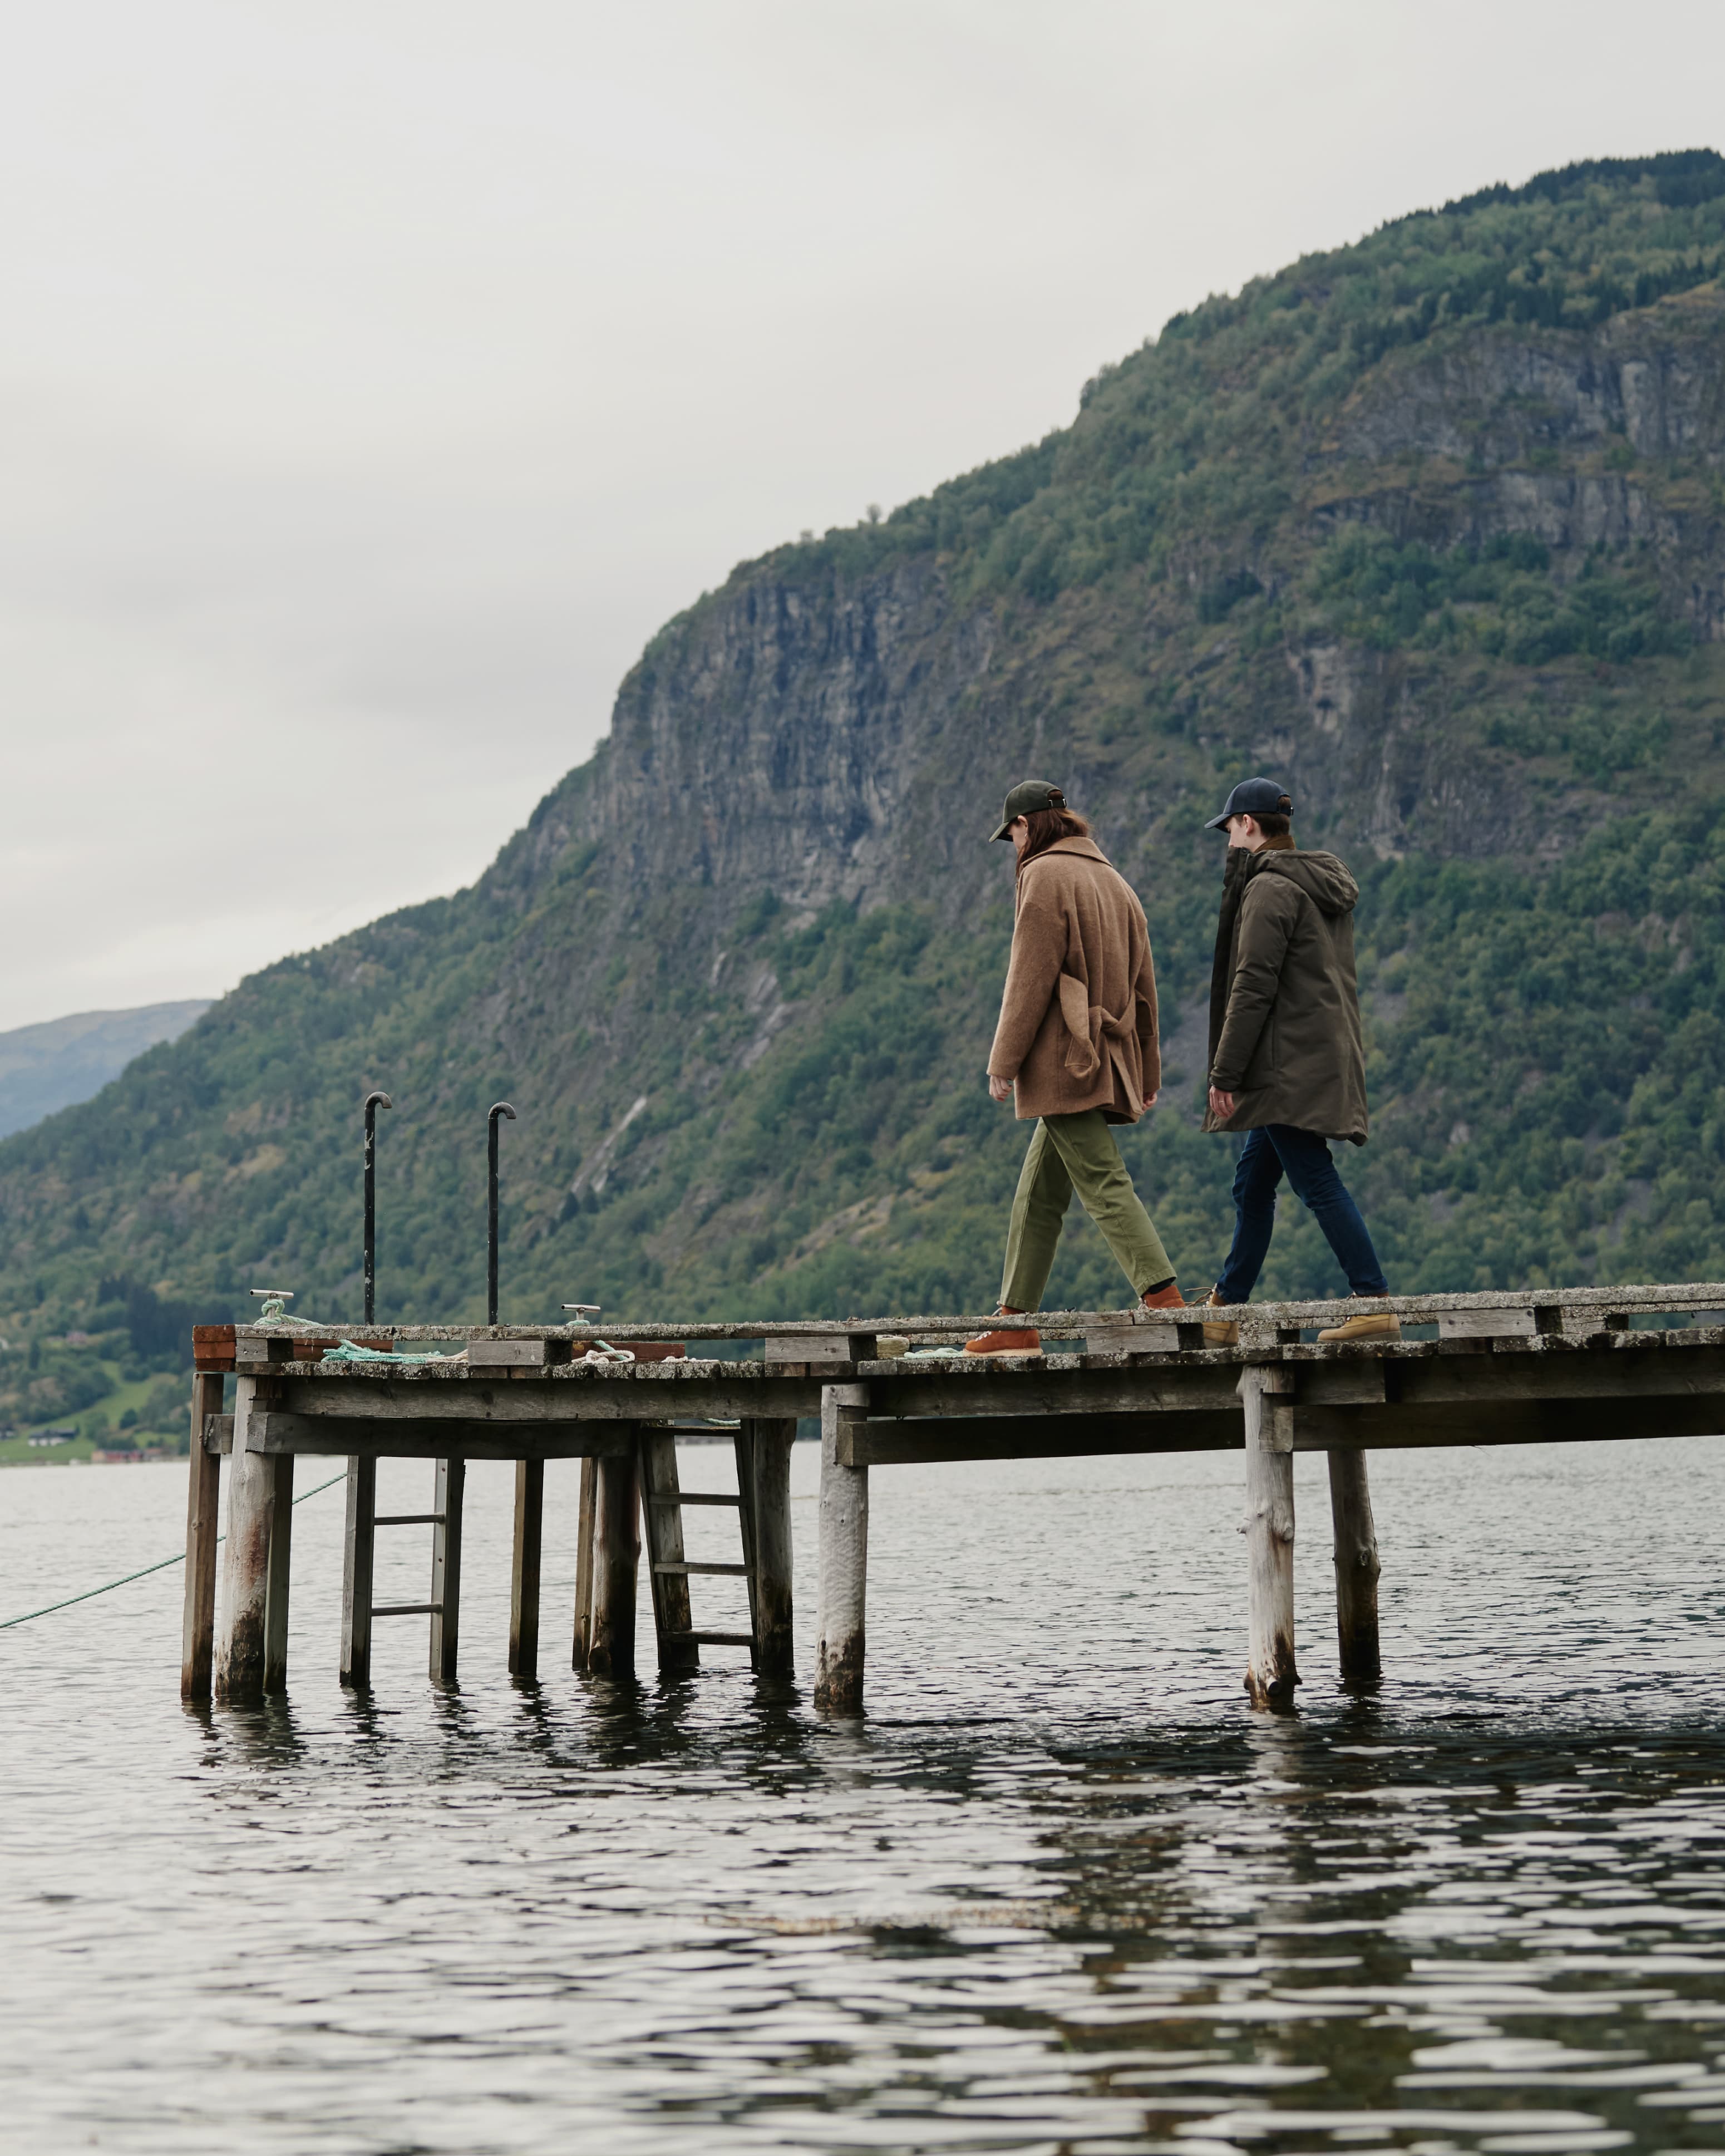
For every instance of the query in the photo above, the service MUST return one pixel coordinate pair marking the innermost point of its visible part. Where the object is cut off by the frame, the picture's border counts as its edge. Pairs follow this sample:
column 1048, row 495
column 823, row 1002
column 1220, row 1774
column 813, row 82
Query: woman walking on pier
column 1076, row 1047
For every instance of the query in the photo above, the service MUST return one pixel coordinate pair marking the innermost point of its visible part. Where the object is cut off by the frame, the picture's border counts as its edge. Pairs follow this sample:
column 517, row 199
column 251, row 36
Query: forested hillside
column 1432, row 528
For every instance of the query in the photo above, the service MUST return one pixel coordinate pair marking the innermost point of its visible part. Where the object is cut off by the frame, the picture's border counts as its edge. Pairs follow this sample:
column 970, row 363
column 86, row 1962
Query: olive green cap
column 1025, row 799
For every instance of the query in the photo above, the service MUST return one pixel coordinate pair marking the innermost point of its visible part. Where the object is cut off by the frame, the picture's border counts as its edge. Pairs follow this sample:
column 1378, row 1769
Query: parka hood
column 1322, row 877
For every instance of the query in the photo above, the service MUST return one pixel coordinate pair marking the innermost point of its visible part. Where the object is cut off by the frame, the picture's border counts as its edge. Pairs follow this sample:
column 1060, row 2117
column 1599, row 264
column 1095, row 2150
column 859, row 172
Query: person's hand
column 1151, row 1099
column 1221, row 1104
column 999, row 1089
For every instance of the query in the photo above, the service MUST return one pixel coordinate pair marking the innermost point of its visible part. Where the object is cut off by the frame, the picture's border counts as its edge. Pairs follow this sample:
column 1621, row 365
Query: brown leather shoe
column 1009, row 1340
column 1165, row 1298
column 1218, row 1332
column 1384, row 1326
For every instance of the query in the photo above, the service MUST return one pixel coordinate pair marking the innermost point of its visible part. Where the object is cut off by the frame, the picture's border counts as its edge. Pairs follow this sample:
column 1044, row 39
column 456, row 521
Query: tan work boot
column 1218, row 1332
column 1386, row 1326
column 1009, row 1340
column 1164, row 1298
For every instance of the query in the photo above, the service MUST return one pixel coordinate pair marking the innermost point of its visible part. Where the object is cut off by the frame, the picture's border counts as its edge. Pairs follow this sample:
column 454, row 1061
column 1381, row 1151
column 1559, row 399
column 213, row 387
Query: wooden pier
column 1495, row 1369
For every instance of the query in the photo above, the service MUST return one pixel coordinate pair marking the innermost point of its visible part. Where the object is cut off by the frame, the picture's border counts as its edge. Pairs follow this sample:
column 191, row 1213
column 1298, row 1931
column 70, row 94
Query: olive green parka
column 1285, row 1029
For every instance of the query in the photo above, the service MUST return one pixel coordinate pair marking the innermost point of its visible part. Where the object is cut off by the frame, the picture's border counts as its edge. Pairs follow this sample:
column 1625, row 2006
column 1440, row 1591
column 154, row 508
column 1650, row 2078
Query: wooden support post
column 673, row 1615
column 1271, row 1674
column 245, row 1567
column 583, row 1563
column 275, row 1592
column 448, row 1489
column 359, row 1550
column 616, row 1555
column 844, row 1557
column 774, row 1437
column 743, row 1448
column 203, row 1491
column 1357, row 1566
column 524, row 1575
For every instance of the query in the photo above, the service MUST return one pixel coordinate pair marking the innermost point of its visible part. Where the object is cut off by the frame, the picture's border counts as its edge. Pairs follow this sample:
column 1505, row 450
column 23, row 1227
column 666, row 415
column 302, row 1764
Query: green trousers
column 1068, row 1153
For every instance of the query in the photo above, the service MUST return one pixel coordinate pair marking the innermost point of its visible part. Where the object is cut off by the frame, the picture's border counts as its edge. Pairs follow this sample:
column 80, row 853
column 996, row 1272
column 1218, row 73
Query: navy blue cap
column 1253, row 797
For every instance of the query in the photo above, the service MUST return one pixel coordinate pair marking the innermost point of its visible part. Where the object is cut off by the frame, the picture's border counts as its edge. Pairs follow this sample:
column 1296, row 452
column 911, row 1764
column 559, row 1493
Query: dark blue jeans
column 1275, row 1150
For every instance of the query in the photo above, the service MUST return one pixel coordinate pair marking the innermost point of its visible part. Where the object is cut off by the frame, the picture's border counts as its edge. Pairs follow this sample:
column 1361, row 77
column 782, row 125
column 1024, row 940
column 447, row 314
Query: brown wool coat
column 1285, row 1030
column 1077, row 1024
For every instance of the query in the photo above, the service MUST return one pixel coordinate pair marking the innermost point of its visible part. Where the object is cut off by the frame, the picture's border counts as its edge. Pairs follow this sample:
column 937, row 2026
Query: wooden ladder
column 359, row 1548
column 762, row 1503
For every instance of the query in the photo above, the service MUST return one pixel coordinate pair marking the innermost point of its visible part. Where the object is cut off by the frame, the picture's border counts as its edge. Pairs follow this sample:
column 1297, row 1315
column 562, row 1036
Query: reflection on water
column 1060, row 1890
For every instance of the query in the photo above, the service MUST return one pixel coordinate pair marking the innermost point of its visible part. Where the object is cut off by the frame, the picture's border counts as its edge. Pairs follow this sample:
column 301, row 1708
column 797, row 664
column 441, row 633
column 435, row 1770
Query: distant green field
column 160, row 1425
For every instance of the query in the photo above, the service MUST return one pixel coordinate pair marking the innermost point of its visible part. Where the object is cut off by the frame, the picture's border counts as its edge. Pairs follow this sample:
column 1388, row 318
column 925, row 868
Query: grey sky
column 375, row 378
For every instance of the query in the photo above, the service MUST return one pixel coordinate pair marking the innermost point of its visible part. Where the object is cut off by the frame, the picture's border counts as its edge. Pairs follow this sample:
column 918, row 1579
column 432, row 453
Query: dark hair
column 1273, row 827
column 1046, row 825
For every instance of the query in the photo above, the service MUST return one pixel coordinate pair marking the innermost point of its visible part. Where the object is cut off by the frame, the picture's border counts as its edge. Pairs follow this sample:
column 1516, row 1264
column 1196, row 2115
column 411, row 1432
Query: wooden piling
column 673, row 1613
column 203, row 1491
column 616, row 1556
column 773, row 1437
column 524, row 1573
column 1271, row 1673
column 448, row 1490
column 583, row 1563
column 1357, row 1567
column 245, row 1567
column 843, row 1556
column 277, row 1579
column 358, row 1552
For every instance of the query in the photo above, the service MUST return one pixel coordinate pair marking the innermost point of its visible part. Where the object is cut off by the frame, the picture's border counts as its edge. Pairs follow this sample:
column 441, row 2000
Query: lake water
column 1060, row 1890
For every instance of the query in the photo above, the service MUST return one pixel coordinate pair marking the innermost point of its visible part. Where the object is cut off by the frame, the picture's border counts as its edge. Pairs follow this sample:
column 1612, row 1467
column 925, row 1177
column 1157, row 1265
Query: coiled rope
column 162, row 1565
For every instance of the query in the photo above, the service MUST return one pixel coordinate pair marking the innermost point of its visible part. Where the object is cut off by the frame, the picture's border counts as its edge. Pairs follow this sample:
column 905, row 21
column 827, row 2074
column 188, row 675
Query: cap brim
column 1004, row 831
column 1217, row 822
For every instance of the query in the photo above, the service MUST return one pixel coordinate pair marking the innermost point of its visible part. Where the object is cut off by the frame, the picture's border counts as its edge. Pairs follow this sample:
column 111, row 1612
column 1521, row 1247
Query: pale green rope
column 162, row 1565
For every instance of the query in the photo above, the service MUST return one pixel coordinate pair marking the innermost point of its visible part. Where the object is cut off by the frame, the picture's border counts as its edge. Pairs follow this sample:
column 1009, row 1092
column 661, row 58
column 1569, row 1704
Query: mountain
column 1432, row 527
column 56, row 1065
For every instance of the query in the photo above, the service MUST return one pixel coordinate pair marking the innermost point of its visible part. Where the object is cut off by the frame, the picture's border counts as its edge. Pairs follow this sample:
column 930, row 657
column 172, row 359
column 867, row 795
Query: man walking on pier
column 1076, row 1047
column 1287, row 1065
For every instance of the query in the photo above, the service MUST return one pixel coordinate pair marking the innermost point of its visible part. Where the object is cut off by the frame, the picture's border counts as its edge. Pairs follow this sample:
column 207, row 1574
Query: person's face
column 1242, row 831
column 1019, row 833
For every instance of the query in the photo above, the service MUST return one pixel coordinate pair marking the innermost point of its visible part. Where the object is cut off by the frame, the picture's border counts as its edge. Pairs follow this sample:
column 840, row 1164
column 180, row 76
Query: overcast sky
column 374, row 378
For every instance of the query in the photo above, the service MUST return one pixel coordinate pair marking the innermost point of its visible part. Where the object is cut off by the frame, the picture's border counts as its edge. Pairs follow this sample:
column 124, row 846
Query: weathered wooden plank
column 1485, row 1324
column 959, row 1389
column 1504, row 1422
column 877, row 1444
column 844, row 1555
column 1357, row 1567
column 449, row 1489
column 508, row 1354
column 358, row 1555
column 284, row 1430
column 1681, row 1296
column 820, row 1349
column 1271, row 1674
column 672, row 1618
column 772, row 1439
column 628, row 1393
column 203, row 1488
column 617, row 1549
column 524, row 1571
column 1132, row 1340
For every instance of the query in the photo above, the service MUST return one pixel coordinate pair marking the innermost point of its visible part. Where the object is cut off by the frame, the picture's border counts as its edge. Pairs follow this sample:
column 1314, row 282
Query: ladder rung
column 735, row 1571
column 409, row 1519
column 407, row 1610
column 716, row 1639
column 694, row 1497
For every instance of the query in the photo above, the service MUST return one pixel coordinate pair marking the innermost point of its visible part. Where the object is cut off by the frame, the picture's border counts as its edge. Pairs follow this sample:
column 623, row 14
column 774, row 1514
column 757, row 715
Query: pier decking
column 1503, row 1369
